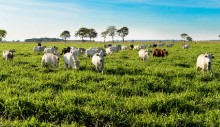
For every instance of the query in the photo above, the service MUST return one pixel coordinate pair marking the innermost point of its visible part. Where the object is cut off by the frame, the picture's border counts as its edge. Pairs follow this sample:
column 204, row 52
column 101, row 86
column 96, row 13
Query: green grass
column 157, row 92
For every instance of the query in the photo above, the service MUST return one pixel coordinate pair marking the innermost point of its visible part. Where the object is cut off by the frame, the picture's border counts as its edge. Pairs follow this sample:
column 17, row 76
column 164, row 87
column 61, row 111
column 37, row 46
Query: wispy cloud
column 39, row 5
column 176, row 3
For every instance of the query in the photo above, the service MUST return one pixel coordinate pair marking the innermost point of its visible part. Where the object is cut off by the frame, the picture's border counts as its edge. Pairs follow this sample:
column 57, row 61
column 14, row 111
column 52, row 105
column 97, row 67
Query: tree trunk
column 112, row 38
column 123, row 39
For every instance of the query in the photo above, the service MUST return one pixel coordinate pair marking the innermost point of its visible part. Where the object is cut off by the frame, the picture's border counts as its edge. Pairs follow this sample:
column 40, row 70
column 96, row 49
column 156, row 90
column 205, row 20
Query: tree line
column 91, row 33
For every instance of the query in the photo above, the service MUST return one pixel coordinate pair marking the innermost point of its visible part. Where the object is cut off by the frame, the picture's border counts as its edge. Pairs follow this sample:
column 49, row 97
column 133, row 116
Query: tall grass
column 156, row 92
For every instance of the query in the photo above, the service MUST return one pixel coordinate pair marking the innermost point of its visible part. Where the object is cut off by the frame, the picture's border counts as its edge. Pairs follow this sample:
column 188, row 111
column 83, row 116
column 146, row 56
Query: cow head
column 165, row 52
column 208, row 58
column 148, row 52
column 100, row 56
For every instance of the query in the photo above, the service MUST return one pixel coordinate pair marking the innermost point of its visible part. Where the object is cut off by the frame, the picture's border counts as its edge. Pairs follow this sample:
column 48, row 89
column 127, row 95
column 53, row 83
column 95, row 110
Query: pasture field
column 131, row 92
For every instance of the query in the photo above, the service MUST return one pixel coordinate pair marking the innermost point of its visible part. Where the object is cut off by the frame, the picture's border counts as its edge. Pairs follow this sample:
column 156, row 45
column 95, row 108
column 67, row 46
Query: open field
column 157, row 92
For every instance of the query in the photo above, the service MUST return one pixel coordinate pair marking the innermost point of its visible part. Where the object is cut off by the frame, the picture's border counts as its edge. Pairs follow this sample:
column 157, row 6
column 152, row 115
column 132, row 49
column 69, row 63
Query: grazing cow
column 131, row 47
column 70, row 60
column 112, row 49
column 50, row 60
column 51, row 50
column 39, row 48
column 204, row 62
column 143, row 46
column 65, row 50
column 124, row 47
column 99, row 49
column 144, row 54
column 160, row 53
column 75, row 52
column 98, row 61
column 109, row 50
column 137, row 47
column 170, row 45
column 116, row 48
column 82, row 50
column 107, row 45
column 185, row 46
column 153, row 45
column 90, row 52
column 160, row 44
column 8, row 54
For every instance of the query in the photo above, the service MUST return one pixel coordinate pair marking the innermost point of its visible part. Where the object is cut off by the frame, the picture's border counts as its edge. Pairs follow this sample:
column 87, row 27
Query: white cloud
column 177, row 3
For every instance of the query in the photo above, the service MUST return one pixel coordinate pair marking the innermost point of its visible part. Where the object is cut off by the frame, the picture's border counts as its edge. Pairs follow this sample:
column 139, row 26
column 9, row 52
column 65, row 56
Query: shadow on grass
column 48, row 70
column 124, row 71
column 183, row 65
column 3, row 77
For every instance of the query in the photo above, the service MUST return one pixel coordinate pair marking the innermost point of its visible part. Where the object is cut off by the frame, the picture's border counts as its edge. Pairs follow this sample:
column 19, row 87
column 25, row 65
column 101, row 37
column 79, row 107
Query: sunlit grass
column 131, row 92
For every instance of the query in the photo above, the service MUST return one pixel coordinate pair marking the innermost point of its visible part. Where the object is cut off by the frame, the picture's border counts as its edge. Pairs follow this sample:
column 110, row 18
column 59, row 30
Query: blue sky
column 146, row 19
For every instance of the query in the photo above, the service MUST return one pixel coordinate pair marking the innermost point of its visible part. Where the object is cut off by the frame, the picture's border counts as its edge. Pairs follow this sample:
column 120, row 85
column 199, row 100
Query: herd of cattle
column 70, row 54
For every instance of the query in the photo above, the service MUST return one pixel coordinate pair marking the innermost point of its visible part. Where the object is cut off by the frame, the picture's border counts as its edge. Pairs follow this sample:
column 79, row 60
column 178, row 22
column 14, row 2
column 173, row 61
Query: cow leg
column 211, row 71
column 97, row 69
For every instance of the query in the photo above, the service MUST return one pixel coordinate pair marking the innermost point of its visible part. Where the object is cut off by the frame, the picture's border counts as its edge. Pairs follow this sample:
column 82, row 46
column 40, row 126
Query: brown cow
column 160, row 53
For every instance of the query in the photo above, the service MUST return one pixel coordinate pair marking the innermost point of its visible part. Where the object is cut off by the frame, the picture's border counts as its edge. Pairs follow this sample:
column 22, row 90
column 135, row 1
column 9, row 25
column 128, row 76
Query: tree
column 123, row 32
column 2, row 34
column 92, row 34
column 184, row 35
column 111, row 31
column 82, row 33
column 104, row 34
column 188, row 38
column 65, row 34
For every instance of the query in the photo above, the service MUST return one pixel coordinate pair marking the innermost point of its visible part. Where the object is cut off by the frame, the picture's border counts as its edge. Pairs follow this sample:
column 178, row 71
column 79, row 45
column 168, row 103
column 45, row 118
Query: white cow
column 137, row 47
column 124, row 47
column 204, row 62
column 90, row 52
column 160, row 44
column 51, row 60
column 109, row 50
column 170, row 45
column 115, row 48
column 186, row 46
column 39, row 48
column 98, row 61
column 8, row 54
column 77, row 51
column 144, row 54
column 71, row 61
column 51, row 50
